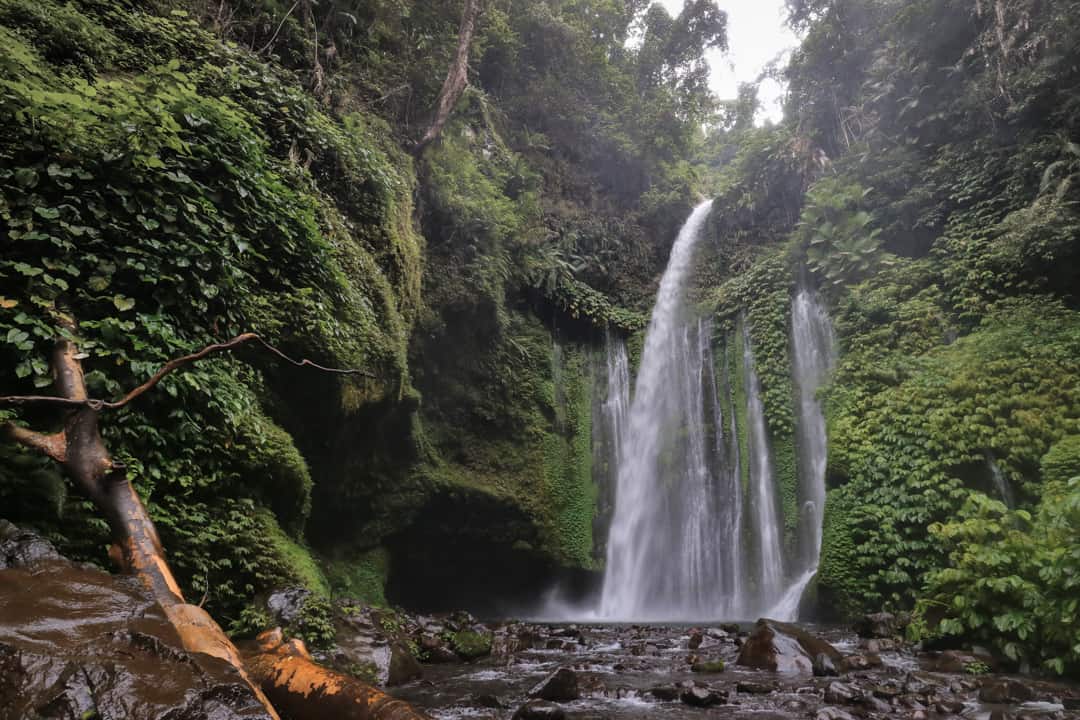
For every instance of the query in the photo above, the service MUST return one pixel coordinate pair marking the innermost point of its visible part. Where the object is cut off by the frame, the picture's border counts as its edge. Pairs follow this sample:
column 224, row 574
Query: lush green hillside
column 176, row 172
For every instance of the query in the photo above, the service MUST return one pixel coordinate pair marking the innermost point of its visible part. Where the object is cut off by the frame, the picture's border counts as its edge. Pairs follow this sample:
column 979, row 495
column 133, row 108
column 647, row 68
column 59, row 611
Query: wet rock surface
column 76, row 642
column 785, row 648
column 626, row 672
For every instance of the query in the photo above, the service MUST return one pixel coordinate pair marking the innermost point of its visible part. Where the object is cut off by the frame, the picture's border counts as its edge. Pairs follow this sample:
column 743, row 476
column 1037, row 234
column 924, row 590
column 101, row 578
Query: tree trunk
column 456, row 78
column 136, row 549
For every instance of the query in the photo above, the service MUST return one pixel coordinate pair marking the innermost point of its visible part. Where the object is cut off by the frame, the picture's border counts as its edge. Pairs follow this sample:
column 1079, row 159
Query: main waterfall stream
column 697, row 530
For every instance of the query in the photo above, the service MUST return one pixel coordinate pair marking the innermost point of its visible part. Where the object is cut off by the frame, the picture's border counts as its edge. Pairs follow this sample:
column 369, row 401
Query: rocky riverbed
column 76, row 642
column 629, row 671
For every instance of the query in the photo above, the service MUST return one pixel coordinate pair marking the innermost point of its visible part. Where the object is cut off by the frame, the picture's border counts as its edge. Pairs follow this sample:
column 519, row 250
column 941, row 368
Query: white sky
column 756, row 36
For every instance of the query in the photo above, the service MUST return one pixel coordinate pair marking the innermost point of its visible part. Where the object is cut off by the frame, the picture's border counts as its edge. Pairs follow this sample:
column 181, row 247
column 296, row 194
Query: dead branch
column 82, row 401
column 457, row 77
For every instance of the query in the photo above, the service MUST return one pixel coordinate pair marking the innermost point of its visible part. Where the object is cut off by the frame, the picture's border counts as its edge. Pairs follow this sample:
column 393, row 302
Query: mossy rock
column 470, row 644
column 711, row 666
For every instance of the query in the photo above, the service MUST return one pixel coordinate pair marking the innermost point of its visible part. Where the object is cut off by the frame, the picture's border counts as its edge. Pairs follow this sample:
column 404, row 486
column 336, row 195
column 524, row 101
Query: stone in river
column 539, row 710
column 559, row 686
column 665, row 692
column 823, row 666
column 1005, row 690
column 838, row 693
column 783, row 647
column 698, row 696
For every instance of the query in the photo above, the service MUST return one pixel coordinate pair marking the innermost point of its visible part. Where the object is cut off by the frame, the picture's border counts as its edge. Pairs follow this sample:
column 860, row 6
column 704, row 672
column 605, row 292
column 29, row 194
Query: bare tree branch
column 54, row 446
column 165, row 370
column 457, row 77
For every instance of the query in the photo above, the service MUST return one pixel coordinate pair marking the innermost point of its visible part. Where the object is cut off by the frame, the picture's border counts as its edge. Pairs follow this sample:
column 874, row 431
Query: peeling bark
column 304, row 690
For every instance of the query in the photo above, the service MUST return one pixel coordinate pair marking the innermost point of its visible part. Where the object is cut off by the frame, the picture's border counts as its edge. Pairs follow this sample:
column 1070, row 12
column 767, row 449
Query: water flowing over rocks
column 638, row 672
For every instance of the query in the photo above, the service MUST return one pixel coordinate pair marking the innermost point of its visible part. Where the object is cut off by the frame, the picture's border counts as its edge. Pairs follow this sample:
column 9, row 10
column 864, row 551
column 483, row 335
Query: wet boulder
column 783, row 647
column 853, row 663
column 79, row 643
column 1005, row 690
column 754, row 687
column 21, row 548
column 956, row 661
column 838, row 693
column 699, row 696
column 708, row 666
column 665, row 692
column 372, row 645
column 559, row 686
column 539, row 710
column 472, row 644
column 824, row 666
column 882, row 625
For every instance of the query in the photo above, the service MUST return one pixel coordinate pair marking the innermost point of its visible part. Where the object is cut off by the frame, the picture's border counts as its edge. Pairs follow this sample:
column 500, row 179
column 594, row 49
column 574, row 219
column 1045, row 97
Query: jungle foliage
column 923, row 179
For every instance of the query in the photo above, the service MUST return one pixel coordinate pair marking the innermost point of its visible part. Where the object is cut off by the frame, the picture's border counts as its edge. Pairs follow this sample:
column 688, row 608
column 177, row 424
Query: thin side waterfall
column 765, row 515
column 670, row 511
column 1001, row 483
column 812, row 360
column 727, row 471
column 610, row 411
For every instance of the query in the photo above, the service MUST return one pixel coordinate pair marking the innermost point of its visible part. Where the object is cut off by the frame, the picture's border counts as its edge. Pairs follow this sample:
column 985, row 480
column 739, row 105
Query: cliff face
column 173, row 176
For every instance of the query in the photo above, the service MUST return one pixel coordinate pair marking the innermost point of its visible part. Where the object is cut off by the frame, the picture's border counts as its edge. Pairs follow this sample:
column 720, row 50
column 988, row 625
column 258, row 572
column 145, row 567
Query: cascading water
column 610, row 411
column 812, row 359
column 671, row 514
column 675, row 548
column 768, row 538
column 1001, row 483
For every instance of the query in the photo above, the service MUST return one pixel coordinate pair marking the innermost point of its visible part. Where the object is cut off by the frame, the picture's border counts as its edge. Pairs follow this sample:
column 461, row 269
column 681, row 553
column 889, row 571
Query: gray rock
column 698, row 696
column 823, row 666
column 23, row 549
column 859, row 662
column 559, row 686
column 783, row 647
column 285, row 605
column 665, row 692
column 539, row 710
column 833, row 713
column 882, row 625
column 838, row 693
column 751, row 687
column 1005, row 690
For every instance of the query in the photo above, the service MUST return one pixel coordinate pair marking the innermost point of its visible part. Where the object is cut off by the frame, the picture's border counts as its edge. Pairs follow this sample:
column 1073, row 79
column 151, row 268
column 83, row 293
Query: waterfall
column 727, row 470
column 1001, row 483
column 812, row 359
column 610, row 409
column 675, row 548
column 765, row 516
column 671, row 515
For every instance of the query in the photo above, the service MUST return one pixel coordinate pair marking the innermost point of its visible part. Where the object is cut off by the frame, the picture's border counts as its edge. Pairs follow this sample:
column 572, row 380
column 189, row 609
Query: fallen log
column 304, row 690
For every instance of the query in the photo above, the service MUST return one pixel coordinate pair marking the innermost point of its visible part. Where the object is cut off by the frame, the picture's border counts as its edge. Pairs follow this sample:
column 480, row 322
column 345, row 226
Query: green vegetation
column 923, row 179
column 470, row 644
column 172, row 175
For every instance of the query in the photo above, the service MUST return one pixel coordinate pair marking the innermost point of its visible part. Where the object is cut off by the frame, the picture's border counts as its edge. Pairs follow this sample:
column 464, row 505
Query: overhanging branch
column 168, row 368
